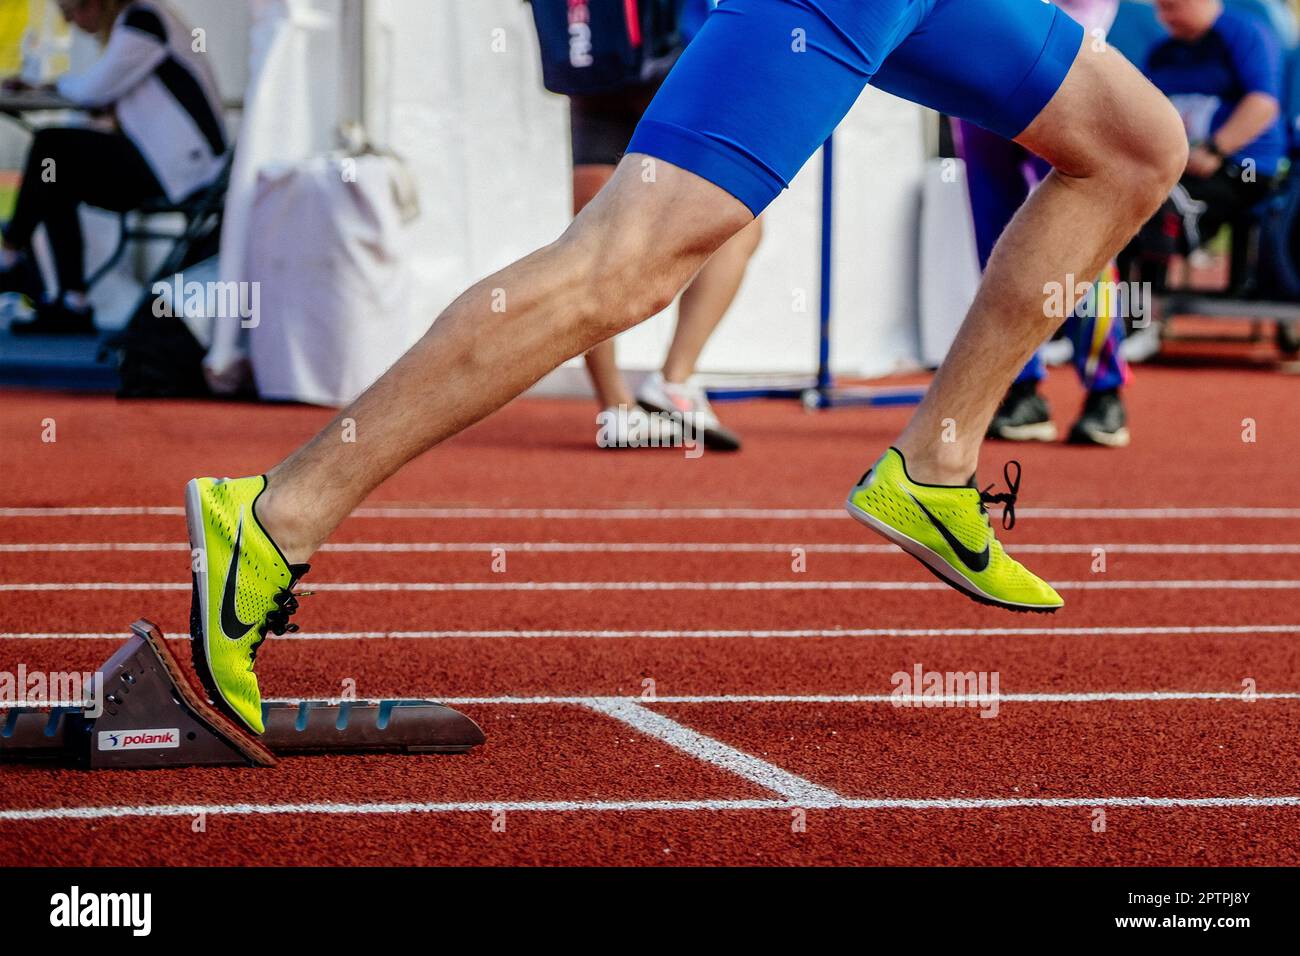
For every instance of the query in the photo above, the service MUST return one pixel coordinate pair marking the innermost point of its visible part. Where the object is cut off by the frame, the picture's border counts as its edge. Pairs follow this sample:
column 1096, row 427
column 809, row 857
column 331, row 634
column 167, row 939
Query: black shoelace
column 286, row 605
column 1005, row 498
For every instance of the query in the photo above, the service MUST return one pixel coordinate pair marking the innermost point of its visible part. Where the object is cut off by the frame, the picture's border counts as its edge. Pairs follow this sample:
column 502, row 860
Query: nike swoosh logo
column 231, row 625
column 977, row 561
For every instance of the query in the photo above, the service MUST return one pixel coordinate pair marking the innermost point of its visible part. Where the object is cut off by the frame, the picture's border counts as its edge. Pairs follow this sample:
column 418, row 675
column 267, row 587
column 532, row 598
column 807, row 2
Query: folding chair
column 201, row 211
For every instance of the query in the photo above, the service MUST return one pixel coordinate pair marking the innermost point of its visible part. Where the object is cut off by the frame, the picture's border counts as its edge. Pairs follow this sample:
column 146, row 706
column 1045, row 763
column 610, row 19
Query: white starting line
column 792, row 791
column 648, row 806
column 911, row 700
column 643, row 547
column 1209, row 584
column 181, row 633
column 686, row 514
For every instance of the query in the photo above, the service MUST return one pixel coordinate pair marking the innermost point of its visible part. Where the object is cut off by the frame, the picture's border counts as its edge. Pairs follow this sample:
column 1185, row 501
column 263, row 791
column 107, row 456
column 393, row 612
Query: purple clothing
column 1000, row 175
column 1091, row 14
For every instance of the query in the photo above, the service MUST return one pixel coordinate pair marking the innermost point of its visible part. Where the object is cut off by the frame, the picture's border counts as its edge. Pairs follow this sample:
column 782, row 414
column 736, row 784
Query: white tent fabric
column 279, row 126
column 455, row 89
column 326, row 251
column 950, row 264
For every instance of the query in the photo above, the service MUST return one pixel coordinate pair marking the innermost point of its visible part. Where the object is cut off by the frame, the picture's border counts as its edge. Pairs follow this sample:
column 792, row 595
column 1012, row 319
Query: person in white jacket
column 167, row 139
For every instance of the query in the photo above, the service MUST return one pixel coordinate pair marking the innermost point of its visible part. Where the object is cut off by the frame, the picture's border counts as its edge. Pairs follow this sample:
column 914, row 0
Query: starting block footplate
column 152, row 713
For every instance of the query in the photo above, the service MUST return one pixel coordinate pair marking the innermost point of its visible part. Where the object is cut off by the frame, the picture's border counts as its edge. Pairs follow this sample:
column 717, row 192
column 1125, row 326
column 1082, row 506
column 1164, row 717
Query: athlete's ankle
column 282, row 521
column 945, row 465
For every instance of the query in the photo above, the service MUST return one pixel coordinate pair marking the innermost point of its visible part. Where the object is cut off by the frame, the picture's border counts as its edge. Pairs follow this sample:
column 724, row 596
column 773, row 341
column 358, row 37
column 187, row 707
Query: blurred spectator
column 1222, row 69
column 166, row 139
column 601, row 125
column 601, row 128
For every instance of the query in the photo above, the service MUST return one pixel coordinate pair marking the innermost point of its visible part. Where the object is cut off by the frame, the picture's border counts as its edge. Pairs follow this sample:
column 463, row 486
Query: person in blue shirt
column 1222, row 70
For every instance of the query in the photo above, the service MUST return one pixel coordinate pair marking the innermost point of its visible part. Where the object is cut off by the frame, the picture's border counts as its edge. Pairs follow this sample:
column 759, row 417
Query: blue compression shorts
column 766, row 81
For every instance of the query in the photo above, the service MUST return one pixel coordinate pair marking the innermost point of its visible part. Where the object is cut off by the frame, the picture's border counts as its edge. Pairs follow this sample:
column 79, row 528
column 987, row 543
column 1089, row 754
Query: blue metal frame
column 821, row 391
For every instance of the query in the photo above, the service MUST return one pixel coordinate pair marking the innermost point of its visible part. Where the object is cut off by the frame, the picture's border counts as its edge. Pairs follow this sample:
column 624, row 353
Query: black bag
column 158, row 357
column 1279, row 242
column 591, row 47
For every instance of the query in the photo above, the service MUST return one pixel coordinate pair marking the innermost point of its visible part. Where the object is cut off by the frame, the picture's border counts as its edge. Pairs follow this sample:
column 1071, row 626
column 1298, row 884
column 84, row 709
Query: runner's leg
column 602, row 365
column 1116, row 146
column 707, row 299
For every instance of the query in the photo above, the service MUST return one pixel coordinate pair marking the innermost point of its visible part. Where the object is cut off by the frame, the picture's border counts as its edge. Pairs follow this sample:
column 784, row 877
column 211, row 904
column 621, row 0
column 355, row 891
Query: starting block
column 154, row 714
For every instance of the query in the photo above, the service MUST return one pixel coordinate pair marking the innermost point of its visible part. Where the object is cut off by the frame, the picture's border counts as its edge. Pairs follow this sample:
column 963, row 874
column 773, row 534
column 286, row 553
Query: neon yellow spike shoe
column 243, row 587
column 946, row 528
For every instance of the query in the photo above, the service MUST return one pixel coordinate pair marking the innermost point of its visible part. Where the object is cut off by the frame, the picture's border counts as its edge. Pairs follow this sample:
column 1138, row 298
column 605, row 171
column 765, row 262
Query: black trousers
column 601, row 126
column 1225, row 195
column 65, row 169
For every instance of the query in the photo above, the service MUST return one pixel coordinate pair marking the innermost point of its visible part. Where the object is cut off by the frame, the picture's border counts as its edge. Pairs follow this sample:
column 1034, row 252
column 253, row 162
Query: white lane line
column 658, row 514
column 715, row 752
column 88, row 512
column 914, row 700
column 1028, row 698
column 37, row 547
column 645, row 547
column 179, row 633
column 37, row 814
column 791, row 585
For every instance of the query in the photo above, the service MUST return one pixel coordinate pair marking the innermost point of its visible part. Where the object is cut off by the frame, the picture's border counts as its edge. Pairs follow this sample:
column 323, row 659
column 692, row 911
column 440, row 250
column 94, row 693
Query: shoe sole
column 715, row 439
column 199, row 599
column 941, row 569
column 1093, row 436
column 1039, row 431
column 234, row 733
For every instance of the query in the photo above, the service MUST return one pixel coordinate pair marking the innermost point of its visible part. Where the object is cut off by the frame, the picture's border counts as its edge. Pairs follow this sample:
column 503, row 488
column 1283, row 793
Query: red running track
column 662, row 681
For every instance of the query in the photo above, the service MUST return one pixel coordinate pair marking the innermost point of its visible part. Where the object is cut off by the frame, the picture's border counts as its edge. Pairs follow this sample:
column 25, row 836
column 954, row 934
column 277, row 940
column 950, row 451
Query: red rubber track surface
column 1151, row 721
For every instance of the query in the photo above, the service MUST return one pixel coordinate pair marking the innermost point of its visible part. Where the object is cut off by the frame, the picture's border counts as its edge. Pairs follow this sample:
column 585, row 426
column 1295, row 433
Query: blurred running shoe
column 690, row 405
column 1024, row 415
column 1103, row 421
column 631, row 426
column 1141, row 345
column 56, row 318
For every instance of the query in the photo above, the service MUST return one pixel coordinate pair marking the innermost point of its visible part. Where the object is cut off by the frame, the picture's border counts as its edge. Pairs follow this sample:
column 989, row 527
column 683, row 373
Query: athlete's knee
column 629, row 289
column 638, row 245
column 1158, row 155
column 1108, row 123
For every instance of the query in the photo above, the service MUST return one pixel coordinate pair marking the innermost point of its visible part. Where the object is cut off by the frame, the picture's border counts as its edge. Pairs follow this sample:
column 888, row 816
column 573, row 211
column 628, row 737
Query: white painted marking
column 707, row 749
column 93, row 546
column 88, row 512
column 1053, row 697
column 659, row 514
column 1028, row 698
column 583, row 806
column 178, row 633
column 647, row 547
column 790, row 585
